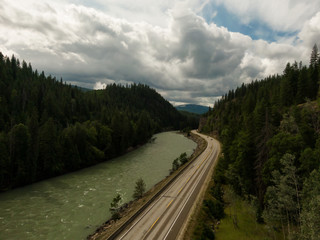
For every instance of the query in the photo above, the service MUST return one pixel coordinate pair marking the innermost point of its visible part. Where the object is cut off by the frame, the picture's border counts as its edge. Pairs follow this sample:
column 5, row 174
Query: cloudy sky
column 190, row 51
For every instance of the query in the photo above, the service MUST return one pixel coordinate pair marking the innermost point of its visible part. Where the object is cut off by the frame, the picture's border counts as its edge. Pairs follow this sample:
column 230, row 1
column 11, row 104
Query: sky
column 190, row 51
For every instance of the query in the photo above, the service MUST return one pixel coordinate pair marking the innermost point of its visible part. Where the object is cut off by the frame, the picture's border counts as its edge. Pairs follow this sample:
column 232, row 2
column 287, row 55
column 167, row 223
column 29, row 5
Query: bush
column 175, row 164
column 183, row 158
column 207, row 233
column 216, row 209
column 217, row 193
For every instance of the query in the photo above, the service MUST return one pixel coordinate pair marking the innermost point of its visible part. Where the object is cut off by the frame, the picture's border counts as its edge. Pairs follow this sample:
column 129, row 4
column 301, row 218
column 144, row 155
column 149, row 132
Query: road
column 165, row 217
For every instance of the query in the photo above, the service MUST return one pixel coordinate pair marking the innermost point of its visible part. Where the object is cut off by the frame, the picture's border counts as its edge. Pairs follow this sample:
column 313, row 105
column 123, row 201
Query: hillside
column 193, row 108
column 270, row 131
column 49, row 128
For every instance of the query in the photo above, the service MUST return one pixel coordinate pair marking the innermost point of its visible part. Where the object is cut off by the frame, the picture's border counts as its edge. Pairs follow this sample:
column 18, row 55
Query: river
column 72, row 206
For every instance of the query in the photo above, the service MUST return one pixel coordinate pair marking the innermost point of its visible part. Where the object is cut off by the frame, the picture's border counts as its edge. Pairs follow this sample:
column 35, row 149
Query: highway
column 166, row 216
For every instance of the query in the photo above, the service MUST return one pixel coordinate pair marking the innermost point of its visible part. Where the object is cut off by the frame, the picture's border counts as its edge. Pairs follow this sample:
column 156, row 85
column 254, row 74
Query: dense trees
column 49, row 128
column 270, row 130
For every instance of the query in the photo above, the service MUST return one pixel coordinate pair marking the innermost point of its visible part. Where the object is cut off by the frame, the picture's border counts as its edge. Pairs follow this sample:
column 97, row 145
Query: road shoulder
column 190, row 224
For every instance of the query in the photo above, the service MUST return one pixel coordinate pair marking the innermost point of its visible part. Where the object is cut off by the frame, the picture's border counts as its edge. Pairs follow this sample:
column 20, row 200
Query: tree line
column 48, row 127
column 270, row 133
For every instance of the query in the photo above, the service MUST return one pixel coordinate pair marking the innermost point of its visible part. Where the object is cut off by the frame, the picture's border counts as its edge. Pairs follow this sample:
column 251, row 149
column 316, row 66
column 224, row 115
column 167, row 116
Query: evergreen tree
column 302, row 91
column 19, row 146
column 175, row 164
column 49, row 161
column 115, row 207
column 140, row 188
column 310, row 216
column 314, row 56
column 5, row 164
column 283, row 199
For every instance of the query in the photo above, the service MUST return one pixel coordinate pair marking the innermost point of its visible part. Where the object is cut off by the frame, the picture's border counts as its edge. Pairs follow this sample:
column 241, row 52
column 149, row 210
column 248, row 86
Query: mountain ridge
column 193, row 108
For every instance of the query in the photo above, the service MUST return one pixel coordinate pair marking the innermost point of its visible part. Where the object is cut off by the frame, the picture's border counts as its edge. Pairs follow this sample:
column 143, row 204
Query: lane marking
column 180, row 191
column 206, row 158
column 189, row 178
column 170, row 203
column 153, row 224
column 185, row 203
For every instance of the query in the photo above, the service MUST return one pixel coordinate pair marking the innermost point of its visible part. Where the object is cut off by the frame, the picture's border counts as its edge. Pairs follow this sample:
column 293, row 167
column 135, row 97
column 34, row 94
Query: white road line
column 182, row 208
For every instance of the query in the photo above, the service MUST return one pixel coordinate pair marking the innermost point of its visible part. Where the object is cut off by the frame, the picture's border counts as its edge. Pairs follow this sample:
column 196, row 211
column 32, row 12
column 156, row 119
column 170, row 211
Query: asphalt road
column 165, row 217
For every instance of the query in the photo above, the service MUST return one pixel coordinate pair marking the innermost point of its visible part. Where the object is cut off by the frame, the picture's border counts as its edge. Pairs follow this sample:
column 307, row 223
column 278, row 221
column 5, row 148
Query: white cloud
column 183, row 57
column 99, row 85
column 279, row 15
column 310, row 33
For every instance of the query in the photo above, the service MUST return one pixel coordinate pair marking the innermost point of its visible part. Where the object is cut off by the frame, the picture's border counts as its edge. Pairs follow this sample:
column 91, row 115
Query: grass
column 240, row 221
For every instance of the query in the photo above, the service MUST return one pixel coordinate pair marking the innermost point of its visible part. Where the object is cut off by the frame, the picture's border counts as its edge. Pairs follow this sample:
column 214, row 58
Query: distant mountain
column 193, row 108
column 84, row 89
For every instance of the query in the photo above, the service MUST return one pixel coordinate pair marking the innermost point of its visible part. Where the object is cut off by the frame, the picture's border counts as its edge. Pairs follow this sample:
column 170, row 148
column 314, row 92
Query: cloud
column 184, row 58
column 283, row 16
column 99, row 85
column 310, row 33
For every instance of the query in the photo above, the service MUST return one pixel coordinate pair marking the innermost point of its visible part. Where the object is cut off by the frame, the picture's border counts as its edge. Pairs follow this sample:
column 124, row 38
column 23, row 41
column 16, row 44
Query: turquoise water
column 72, row 206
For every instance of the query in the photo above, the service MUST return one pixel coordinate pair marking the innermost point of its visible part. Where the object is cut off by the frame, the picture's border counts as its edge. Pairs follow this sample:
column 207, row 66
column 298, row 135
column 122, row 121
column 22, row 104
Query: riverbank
column 129, row 209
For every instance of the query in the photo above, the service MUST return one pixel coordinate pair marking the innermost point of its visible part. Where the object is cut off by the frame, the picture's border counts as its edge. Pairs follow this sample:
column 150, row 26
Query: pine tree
column 115, row 207
column 303, row 83
column 314, row 56
column 5, row 166
column 139, row 189
column 19, row 154
column 283, row 199
column 175, row 164
column 310, row 215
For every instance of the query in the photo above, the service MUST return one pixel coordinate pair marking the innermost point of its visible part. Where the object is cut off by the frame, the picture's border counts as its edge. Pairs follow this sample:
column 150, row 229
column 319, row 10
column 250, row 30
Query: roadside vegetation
column 139, row 189
column 179, row 162
column 117, row 206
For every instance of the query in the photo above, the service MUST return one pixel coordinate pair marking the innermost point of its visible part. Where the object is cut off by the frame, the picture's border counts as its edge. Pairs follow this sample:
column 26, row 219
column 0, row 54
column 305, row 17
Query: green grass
column 240, row 221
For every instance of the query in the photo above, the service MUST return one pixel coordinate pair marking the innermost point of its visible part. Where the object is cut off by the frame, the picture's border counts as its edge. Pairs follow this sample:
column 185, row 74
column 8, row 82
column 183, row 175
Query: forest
column 48, row 127
column 270, row 135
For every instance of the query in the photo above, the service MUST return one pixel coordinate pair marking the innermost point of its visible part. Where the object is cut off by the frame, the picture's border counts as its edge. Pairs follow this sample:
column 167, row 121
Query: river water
column 72, row 206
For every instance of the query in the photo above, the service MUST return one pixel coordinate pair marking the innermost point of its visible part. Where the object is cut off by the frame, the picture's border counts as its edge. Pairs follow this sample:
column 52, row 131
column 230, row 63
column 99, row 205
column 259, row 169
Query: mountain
column 48, row 128
column 193, row 108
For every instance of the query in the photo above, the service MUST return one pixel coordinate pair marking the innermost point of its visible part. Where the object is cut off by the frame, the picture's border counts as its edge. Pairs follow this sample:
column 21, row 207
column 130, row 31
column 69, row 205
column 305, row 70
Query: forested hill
column 270, row 132
column 193, row 108
column 49, row 128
